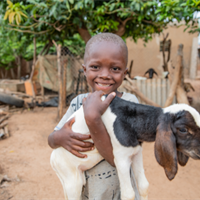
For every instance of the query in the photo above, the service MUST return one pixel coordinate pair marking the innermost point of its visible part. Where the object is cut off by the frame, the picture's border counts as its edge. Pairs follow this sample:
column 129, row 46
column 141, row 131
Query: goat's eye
column 183, row 130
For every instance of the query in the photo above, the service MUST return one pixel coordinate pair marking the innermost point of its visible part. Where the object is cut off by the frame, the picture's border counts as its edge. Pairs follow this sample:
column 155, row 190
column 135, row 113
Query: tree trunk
column 176, row 77
column 12, row 73
column 60, row 81
column 2, row 74
column 181, row 95
column 64, row 64
column 18, row 67
column 84, row 33
column 60, row 78
column 44, row 48
column 180, row 92
column 35, row 51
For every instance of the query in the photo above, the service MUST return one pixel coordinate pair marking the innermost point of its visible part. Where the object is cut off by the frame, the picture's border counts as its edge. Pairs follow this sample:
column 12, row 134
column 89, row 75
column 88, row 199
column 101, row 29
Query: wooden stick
column 21, row 94
column 4, row 118
column 60, row 79
column 19, row 66
column 3, row 112
column 64, row 66
column 181, row 95
column 136, row 91
column 3, row 124
column 174, row 77
column 35, row 53
column 6, row 130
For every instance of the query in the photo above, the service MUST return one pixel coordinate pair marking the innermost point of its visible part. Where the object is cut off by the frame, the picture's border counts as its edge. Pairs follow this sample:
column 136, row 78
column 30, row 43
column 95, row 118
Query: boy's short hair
column 110, row 37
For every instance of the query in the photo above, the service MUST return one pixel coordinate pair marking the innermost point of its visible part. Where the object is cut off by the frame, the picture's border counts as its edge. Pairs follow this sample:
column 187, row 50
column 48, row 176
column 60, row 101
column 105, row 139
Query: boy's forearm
column 51, row 141
column 101, row 139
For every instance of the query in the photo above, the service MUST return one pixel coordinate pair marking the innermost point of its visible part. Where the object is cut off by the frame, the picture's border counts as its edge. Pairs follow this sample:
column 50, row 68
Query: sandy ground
column 24, row 158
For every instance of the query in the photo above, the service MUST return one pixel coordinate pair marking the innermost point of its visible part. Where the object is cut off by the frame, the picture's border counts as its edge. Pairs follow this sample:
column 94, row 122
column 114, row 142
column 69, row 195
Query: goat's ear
column 165, row 150
column 182, row 158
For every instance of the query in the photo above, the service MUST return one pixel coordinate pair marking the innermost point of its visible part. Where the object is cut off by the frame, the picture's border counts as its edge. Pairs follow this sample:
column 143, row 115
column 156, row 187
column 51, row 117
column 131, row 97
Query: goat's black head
column 177, row 138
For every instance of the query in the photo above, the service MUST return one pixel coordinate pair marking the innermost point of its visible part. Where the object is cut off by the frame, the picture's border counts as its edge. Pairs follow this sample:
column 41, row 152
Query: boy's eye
column 115, row 68
column 94, row 67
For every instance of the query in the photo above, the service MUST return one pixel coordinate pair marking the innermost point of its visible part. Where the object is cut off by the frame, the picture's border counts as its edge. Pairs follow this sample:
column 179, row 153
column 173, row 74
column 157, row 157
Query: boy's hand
column 94, row 107
column 73, row 142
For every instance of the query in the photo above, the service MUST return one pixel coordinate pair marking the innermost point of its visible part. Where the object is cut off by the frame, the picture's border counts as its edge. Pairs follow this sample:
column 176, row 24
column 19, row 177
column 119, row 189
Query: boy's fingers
column 76, row 153
column 83, row 144
column 71, row 121
column 79, row 136
column 79, row 149
column 109, row 98
column 101, row 93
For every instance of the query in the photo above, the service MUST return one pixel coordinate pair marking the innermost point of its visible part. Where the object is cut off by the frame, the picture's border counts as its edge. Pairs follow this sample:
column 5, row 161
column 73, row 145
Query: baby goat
column 175, row 130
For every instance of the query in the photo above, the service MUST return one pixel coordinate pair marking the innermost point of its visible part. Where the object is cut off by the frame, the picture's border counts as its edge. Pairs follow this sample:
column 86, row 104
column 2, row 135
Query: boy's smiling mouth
column 103, row 85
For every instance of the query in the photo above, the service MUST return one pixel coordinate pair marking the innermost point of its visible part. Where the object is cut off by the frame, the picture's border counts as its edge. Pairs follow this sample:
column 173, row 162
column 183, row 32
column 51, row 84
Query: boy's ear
column 84, row 68
column 126, row 70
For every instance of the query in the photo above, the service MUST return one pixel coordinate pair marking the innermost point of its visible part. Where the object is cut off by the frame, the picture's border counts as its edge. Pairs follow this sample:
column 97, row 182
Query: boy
column 105, row 61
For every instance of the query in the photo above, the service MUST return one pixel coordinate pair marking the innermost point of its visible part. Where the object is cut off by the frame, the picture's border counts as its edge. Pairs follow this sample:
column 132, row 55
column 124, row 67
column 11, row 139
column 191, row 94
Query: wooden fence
column 155, row 89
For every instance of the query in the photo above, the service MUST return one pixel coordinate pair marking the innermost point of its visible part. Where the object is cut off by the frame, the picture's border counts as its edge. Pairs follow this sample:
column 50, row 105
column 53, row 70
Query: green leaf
column 71, row 1
column 53, row 10
column 140, row 18
column 67, row 5
column 112, row 6
column 137, row 6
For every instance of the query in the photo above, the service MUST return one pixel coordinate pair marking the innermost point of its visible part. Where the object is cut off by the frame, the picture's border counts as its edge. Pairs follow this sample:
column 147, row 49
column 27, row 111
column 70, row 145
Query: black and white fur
column 175, row 130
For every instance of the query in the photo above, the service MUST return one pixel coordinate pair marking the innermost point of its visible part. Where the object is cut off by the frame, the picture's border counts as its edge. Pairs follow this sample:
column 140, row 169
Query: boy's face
column 105, row 66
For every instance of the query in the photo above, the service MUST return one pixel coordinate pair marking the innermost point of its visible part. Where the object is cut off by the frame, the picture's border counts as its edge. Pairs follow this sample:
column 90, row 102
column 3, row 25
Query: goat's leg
column 70, row 177
column 138, row 170
column 123, row 165
column 72, row 186
column 72, row 183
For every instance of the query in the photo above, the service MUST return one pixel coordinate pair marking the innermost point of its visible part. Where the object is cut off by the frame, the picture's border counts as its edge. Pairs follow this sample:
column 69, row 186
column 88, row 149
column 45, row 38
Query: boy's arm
column 97, row 129
column 71, row 141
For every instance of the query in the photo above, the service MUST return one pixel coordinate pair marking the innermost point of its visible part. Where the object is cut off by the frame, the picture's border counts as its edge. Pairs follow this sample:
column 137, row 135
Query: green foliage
column 15, row 11
column 60, row 19
column 12, row 45
column 63, row 20
column 76, row 45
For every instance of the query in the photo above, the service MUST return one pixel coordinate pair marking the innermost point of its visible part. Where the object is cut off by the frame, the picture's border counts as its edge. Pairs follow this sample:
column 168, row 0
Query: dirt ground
column 24, row 158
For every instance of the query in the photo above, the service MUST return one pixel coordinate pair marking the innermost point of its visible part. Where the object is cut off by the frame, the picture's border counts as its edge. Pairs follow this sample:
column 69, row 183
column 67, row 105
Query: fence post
column 60, row 80
column 64, row 68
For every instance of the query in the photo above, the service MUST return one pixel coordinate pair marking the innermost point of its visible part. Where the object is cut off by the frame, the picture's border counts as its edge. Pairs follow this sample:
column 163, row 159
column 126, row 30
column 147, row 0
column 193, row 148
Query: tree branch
column 122, row 26
column 26, row 31
column 150, row 22
column 35, row 24
column 59, row 28
column 84, row 33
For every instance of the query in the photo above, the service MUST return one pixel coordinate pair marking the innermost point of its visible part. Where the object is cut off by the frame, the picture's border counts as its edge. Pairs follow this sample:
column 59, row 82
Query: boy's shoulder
column 77, row 101
column 79, row 97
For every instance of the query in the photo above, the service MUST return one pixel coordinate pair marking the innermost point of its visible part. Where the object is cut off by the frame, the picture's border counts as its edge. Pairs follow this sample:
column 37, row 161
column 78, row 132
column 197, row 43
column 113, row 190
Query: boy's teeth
column 103, row 85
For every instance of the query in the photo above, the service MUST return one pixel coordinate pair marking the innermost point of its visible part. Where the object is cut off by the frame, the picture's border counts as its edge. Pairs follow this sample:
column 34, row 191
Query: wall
column 150, row 56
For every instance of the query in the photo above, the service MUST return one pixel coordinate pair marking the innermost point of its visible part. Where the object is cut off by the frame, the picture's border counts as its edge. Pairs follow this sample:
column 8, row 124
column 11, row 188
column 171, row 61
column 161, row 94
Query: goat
column 151, row 72
column 175, row 130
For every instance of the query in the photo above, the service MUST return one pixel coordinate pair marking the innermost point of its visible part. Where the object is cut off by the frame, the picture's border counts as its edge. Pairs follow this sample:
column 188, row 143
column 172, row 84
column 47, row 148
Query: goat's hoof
column 144, row 197
column 128, row 198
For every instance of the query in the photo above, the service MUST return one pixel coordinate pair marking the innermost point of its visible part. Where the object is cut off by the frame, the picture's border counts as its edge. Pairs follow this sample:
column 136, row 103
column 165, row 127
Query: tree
column 61, row 19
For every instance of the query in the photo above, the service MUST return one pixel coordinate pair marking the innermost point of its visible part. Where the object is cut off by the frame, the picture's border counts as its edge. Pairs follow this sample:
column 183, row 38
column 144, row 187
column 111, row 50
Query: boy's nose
column 104, row 74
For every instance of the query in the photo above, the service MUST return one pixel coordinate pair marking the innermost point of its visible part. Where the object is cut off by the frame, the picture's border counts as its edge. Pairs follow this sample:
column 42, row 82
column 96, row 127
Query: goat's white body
column 70, row 169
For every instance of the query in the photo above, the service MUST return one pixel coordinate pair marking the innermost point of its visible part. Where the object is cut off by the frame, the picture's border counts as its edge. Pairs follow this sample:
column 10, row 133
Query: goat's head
column 177, row 137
